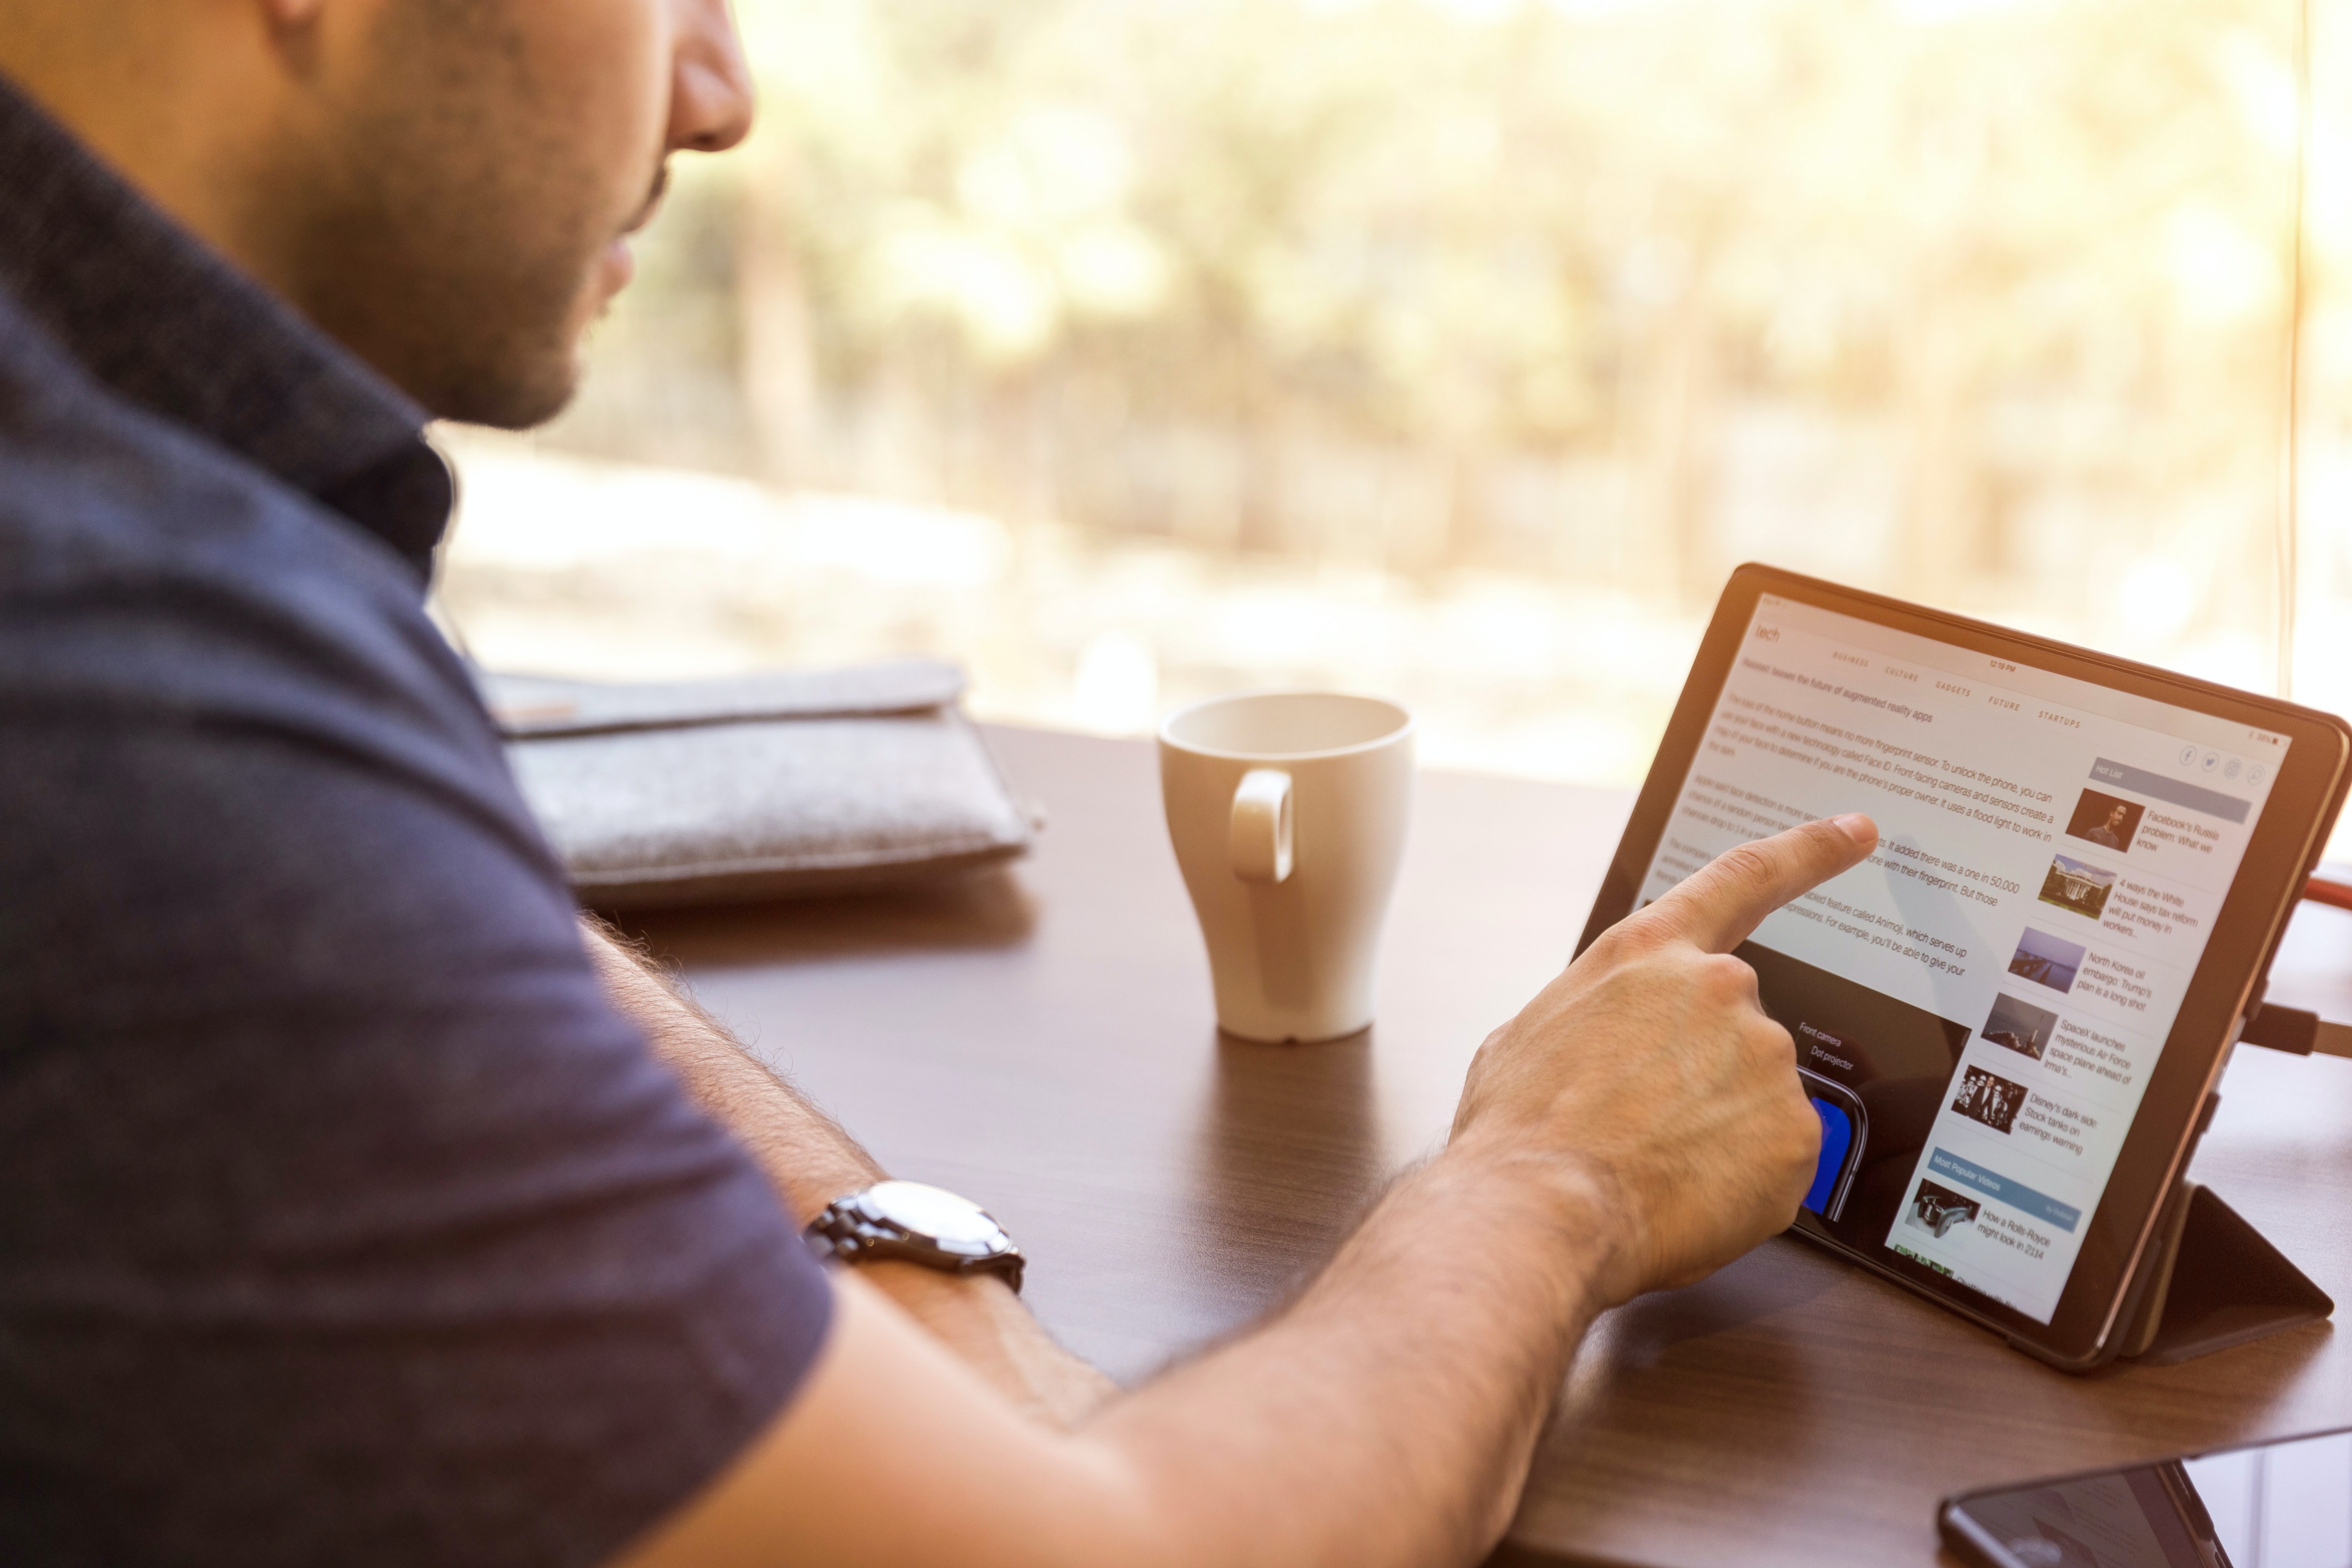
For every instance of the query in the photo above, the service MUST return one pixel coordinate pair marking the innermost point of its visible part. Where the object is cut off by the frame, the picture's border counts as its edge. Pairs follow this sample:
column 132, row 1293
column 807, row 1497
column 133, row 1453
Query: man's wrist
column 1572, row 1215
column 822, row 1176
column 979, row 1317
column 919, row 1224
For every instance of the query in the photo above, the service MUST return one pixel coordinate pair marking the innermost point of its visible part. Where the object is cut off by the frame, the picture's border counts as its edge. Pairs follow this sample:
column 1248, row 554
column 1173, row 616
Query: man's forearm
column 1436, row 1319
column 1385, row 1420
column 811, row 1161
column 808, row 1156
column 1390, row 1416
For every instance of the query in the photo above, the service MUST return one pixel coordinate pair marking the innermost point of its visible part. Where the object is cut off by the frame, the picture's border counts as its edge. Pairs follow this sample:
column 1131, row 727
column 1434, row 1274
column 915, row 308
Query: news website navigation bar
column 2053, row 856
column 1948, row 671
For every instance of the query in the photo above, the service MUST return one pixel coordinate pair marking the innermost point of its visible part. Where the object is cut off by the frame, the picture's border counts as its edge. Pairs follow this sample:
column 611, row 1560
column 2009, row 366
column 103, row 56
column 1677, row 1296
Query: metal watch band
column 844, row 1232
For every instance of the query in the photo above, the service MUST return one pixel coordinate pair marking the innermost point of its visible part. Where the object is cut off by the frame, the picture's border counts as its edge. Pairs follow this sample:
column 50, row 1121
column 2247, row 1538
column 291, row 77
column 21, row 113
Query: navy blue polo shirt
column 342, row 1220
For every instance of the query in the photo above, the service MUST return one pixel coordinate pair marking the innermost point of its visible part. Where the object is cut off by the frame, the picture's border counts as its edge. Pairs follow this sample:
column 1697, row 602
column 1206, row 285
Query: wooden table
column 1042, row 1040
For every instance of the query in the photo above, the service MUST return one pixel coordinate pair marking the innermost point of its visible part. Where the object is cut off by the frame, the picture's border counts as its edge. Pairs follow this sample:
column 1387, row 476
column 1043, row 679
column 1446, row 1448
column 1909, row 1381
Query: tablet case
column 773, row 785
column 2213, row 1281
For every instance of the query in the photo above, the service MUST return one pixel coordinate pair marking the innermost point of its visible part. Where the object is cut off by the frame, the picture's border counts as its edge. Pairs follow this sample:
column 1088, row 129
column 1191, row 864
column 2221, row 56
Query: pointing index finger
column 1716, row 906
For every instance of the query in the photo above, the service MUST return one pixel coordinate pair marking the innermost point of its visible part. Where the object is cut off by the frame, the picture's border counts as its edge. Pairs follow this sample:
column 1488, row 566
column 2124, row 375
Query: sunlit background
column 1131, row 351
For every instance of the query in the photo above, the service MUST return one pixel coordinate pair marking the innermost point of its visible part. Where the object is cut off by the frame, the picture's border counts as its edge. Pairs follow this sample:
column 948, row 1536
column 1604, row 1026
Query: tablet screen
column 1993, row 988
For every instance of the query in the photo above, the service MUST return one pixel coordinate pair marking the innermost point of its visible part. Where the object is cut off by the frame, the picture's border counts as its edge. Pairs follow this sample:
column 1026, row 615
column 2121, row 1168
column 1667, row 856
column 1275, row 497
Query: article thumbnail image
column 2046, row 960
column 1989, row 1098
column 2104, row 820
column 1940, row 1210
column 2014, row 1026
column 2072, row 885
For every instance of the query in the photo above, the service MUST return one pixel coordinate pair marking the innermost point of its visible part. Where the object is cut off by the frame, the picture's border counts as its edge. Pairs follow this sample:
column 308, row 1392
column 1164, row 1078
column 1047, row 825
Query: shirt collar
column 152, row 312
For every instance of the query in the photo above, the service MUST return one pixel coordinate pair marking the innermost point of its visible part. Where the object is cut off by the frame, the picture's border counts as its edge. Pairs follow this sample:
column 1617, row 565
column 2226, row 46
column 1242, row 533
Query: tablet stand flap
column 2215, row 1282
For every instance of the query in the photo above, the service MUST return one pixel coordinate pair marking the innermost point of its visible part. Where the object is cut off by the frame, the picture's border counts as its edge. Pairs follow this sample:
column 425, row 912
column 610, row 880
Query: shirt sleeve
column 346, row 1221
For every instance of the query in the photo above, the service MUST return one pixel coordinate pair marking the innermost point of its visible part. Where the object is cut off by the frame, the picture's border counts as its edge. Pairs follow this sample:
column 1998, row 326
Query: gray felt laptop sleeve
column 757, row 786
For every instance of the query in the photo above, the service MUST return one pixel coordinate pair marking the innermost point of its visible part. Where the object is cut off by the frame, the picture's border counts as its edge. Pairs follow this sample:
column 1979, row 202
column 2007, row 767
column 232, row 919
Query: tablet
column 2010, row 1018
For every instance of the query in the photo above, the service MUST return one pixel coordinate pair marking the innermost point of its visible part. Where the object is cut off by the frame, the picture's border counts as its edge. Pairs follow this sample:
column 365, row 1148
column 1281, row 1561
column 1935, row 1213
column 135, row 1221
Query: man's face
column 2115, row 819
column 478, row 166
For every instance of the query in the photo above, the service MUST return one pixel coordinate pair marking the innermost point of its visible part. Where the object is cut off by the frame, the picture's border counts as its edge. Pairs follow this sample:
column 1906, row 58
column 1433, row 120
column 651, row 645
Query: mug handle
column 1259, row 837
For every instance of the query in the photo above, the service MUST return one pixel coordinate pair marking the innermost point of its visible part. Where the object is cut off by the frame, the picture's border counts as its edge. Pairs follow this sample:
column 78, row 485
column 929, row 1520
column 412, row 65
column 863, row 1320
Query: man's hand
column 1648, row 1076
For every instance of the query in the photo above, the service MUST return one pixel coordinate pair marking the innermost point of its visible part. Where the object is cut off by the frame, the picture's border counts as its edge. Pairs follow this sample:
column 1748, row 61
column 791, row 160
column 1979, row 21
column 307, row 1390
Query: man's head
column 2116, row 817
column 445, row 186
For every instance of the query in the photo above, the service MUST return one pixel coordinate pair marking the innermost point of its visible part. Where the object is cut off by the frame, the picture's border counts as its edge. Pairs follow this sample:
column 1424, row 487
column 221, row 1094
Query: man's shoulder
column 143, row 569
column 92, row 483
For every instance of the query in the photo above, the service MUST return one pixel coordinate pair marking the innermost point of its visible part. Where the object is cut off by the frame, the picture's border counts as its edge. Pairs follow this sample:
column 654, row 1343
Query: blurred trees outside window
column 1134, row 350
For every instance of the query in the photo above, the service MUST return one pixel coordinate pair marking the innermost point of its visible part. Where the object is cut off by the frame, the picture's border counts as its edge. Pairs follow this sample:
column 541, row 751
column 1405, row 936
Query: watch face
column 952, row 1222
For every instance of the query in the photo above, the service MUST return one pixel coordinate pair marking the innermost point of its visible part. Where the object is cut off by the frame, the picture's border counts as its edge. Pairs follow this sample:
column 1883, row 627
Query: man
column 359, row 1207
column 2110, row 832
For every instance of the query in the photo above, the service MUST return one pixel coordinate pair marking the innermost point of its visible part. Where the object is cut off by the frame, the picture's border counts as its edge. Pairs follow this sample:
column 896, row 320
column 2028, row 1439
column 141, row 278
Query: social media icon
column 2211, row 760
column 2229, row 769
column 2257, row 774
column 2187, row 756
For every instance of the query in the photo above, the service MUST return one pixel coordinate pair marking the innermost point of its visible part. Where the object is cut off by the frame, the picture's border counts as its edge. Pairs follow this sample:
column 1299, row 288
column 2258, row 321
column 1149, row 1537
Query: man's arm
column 1638, row 1125
column 809, row 1158
column 811, row 1161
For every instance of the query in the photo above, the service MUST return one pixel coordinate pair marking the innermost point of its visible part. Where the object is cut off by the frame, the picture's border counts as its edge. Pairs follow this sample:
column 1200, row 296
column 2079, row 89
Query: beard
column 458, row 231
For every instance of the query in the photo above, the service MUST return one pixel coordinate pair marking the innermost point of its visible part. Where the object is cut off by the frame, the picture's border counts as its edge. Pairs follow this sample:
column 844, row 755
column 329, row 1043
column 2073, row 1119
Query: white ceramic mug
column 1287, row 811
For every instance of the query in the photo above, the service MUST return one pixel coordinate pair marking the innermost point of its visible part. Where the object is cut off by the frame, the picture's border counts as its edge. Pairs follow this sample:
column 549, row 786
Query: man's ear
column 294, row 28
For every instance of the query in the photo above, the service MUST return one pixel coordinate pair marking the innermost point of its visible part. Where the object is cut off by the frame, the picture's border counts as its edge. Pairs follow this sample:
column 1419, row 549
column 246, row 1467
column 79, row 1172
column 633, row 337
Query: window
column 1134, row 350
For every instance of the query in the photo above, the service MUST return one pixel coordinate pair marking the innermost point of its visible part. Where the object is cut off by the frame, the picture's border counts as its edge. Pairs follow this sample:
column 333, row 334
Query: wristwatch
column 918, row 1224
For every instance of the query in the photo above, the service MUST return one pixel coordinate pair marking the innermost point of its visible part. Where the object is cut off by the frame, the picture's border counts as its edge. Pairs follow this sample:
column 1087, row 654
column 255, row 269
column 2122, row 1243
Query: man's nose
column 710, row 86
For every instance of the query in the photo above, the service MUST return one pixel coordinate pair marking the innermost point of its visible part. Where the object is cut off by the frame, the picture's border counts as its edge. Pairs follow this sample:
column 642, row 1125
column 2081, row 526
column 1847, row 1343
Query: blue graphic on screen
column 1837, row 1137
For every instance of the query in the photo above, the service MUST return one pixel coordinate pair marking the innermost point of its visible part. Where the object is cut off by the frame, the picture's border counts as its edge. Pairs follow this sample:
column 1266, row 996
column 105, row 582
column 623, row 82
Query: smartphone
column 2283, row 1504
